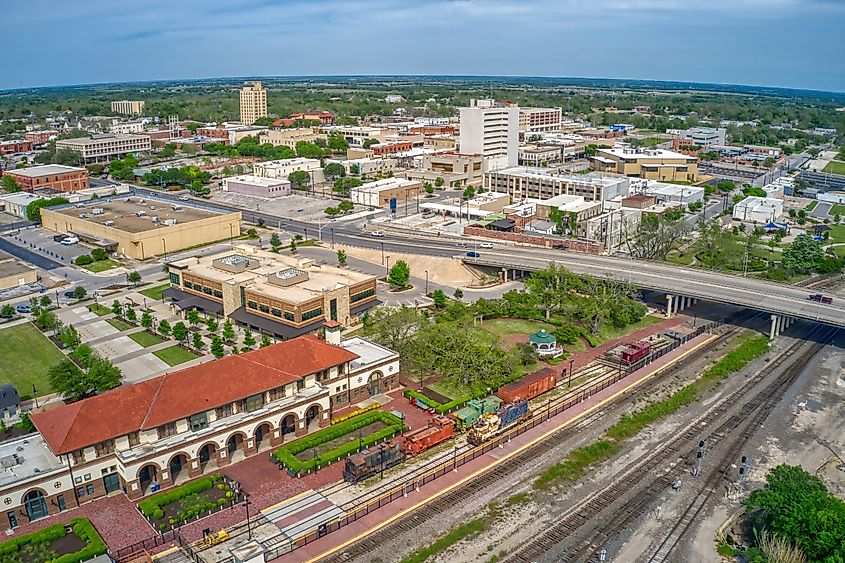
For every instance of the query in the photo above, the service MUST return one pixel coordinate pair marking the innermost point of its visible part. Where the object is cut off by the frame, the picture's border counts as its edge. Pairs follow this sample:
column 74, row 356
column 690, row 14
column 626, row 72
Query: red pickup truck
column 820, row 298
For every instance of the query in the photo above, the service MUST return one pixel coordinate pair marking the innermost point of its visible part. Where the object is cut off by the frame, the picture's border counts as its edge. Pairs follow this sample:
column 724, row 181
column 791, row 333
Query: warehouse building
column 755, row 209
column 257, row 186
column 381, row 192
column 140, row 229
column 51, row 177
column 652, row 164
column 14, row 273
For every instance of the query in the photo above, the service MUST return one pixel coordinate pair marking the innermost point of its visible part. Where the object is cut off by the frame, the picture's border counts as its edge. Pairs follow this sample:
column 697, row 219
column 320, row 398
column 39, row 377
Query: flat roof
column 635, row 154
column 13, row 267
column 257, row 181
column 20, row 198
column 123, row 213
column 45, row 170
column 542, row 173
column 104, row 138
column 386, row 184
column 31, row 457
column 368, row 352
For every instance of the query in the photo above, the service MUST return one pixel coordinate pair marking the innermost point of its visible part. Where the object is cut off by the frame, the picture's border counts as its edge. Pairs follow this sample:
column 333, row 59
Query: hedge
column 82, row 527
column 439, row 408
column 286, row 455
column 150, row 506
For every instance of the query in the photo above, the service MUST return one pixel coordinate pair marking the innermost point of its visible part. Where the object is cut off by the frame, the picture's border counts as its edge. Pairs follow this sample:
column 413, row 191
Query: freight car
column 439, row 429
column 493, row 424
column 635, row 351
column 369, row 462
column 530, row 386
column 474, row 409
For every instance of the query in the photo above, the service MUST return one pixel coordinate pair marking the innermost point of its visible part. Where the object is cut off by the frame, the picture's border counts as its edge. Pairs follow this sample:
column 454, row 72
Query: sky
column 786, row 43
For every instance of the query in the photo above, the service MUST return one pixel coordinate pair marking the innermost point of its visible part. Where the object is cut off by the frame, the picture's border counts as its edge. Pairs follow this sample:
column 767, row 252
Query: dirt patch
column 310, row 453
column 511, row 340
column 70, row 543
column 444, row 271
column 11, row 434
column 434, row 395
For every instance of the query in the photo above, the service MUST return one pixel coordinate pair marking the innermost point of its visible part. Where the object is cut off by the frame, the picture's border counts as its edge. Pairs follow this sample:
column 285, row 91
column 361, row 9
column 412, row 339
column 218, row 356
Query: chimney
column 333, row 332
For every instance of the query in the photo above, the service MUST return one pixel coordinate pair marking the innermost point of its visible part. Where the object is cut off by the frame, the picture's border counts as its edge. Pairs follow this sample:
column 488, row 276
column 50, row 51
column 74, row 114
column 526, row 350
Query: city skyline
column 780, row 43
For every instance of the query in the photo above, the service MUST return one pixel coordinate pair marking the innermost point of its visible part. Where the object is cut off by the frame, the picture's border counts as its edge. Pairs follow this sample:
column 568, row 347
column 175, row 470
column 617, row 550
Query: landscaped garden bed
column 120, row 324
column 193, row 500
column 77, row 541
column 338, row 441
column 99, row 309
column 146, row 339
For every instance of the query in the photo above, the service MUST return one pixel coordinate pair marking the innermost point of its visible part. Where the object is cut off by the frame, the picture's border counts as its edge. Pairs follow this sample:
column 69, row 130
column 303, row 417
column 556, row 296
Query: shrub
column 99, row 254
column 44, row 535
column 82, row 527
column 84, row 260
column 149, row 507
column 158, row 514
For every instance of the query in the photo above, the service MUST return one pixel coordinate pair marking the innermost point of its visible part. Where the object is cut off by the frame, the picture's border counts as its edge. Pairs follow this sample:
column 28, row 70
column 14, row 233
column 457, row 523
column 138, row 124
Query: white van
column 70, row 240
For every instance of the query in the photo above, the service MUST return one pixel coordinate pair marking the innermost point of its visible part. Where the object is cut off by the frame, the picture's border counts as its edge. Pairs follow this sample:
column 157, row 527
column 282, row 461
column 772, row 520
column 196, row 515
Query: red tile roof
column 179, row 394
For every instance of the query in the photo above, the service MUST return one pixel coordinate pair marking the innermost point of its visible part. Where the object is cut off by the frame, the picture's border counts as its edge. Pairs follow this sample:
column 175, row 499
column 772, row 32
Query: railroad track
column 448, row 501
column 588, row 525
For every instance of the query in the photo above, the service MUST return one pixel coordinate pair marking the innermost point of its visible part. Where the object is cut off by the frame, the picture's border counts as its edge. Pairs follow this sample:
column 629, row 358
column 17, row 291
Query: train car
column 635, row 351
column 369, row 462
column 530, row 386
column 474, row 409
column 439, row 429
column 493, row 424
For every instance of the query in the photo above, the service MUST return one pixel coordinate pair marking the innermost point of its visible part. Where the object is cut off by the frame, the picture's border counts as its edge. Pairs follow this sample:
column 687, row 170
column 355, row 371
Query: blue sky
column 789, row 43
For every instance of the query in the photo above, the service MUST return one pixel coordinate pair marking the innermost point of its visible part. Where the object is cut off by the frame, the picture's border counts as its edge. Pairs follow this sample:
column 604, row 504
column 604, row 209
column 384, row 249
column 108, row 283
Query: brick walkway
column 114, row 517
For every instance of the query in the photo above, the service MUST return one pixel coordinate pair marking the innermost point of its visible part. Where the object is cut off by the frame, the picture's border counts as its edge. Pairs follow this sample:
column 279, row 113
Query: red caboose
column 635, row 351
column 534, row 384
column 439, row 429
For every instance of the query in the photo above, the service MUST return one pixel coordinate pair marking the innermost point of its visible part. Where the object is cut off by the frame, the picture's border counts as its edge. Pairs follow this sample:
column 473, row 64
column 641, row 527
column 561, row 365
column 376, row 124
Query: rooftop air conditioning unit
column 176, row 207
column 140, row 213
column 108, row 223
column 154, row 218
column 82, row 216
column 169, row 222
column 97, row 211
column 153, row 207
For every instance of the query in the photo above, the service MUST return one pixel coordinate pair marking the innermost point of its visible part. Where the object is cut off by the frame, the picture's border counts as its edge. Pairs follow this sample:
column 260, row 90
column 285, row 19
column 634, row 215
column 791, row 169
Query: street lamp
column 570, row 374
column 382, row 254
column 387, row 270
column 426, row 282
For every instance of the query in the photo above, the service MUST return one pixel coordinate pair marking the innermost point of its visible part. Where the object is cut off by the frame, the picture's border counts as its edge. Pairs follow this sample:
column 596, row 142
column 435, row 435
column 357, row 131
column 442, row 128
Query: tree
column 45, row 300
column 10, row 184
column 803, row 255
column 725, row 186
column 131, row 315
column 275, row 242
column 655, row 236
column 180, row 331
column 305, row 149
column 211, row 324
column 228, row 331
column 333, row 171
column 216, row 347
column 459, row 294
column 69, row 336
column 103, row 375
column 370, row 142
column 164, row 327
column 80, row 292
column 346, row 206
column 394, row 327
column 341, row 258
column 337, row 143
column 249, row 339
column 429, row 189
column 193, row 317
column 68, row 380
column 439, row 182
column 7, row 311
column 84, row 354
column 332, row 212
column 293, row 246
column 83, row 260
column 197, row 340
column 146, row 320
column 33, row 209
column 47, row 320
column 399, row 274
column 439, row 297
column 168, row 151
column 116, row 308
column 265, row 340
column 469, row 193
column 300, row 179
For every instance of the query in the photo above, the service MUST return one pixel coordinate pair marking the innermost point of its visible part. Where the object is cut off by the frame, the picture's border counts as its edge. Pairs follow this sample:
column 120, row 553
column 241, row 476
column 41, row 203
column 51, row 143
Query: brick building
column 51, row 176
column 15, row 147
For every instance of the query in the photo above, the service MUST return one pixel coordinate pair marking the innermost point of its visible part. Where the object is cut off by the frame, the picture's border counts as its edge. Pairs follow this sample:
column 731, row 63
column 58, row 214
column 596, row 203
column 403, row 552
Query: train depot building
column 164, row 431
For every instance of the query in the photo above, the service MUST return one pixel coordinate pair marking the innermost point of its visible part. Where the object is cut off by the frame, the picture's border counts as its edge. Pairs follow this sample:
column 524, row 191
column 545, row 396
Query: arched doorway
column 206, row 454
column 36, row 505
column 312, row 415
column 176, row 465
column 146, row 476
column 261, row 433
column 234, row 443
column 289, row 424
column 375, row 383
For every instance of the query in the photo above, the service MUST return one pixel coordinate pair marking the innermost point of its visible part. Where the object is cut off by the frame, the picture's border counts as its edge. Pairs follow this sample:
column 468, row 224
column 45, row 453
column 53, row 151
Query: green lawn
column 27, row 355
column 676, row 257
column 837, row 209
column 652, row 141
column 835, row 167
column 146, row 339
column 812, row 205
column 175, row 355
column 154, row 292
column 506, row 327
column 119, row 324
column 837, row 233
column 99, row 309
column 101, row 265
column 609, row 332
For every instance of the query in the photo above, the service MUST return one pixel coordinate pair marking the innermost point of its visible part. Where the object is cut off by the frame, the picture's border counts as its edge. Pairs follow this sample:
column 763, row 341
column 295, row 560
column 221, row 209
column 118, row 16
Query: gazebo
column 545, row 344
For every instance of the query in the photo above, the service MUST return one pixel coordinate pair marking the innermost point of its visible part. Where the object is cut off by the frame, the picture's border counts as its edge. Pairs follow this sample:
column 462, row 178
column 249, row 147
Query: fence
column 129, row 552
column 437, row 468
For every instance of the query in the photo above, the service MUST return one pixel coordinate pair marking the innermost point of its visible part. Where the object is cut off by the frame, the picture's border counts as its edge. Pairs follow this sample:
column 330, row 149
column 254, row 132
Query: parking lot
column 294, row 206
column 40, row 241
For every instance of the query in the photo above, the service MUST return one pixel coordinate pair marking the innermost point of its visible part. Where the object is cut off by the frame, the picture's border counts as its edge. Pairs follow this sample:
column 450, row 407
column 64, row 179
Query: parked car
column 70, row 294
column 184, row 198
column 461, row 244
column 67, row 241
column 59, row 238
column 377, row 233
column 473, row 254
column 485, row 245
column 23, row 308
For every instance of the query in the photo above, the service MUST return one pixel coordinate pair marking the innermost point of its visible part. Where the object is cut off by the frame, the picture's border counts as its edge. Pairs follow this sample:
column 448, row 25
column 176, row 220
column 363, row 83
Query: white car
column 69, row 240
column 377, row 233
column 485, row 245
column 184, row 198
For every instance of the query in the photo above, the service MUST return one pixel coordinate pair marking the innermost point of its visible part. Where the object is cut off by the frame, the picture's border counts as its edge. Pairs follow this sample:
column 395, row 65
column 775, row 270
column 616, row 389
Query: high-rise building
column 128, row 107
column 491, row 129
column 253, row 103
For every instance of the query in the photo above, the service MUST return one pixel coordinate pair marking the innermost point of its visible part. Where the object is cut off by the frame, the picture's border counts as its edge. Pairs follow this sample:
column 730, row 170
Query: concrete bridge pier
column 677, row 303
column 779, row 324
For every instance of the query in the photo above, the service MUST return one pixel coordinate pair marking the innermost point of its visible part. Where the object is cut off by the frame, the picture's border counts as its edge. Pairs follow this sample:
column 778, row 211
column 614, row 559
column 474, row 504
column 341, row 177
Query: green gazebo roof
column 542, row 337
